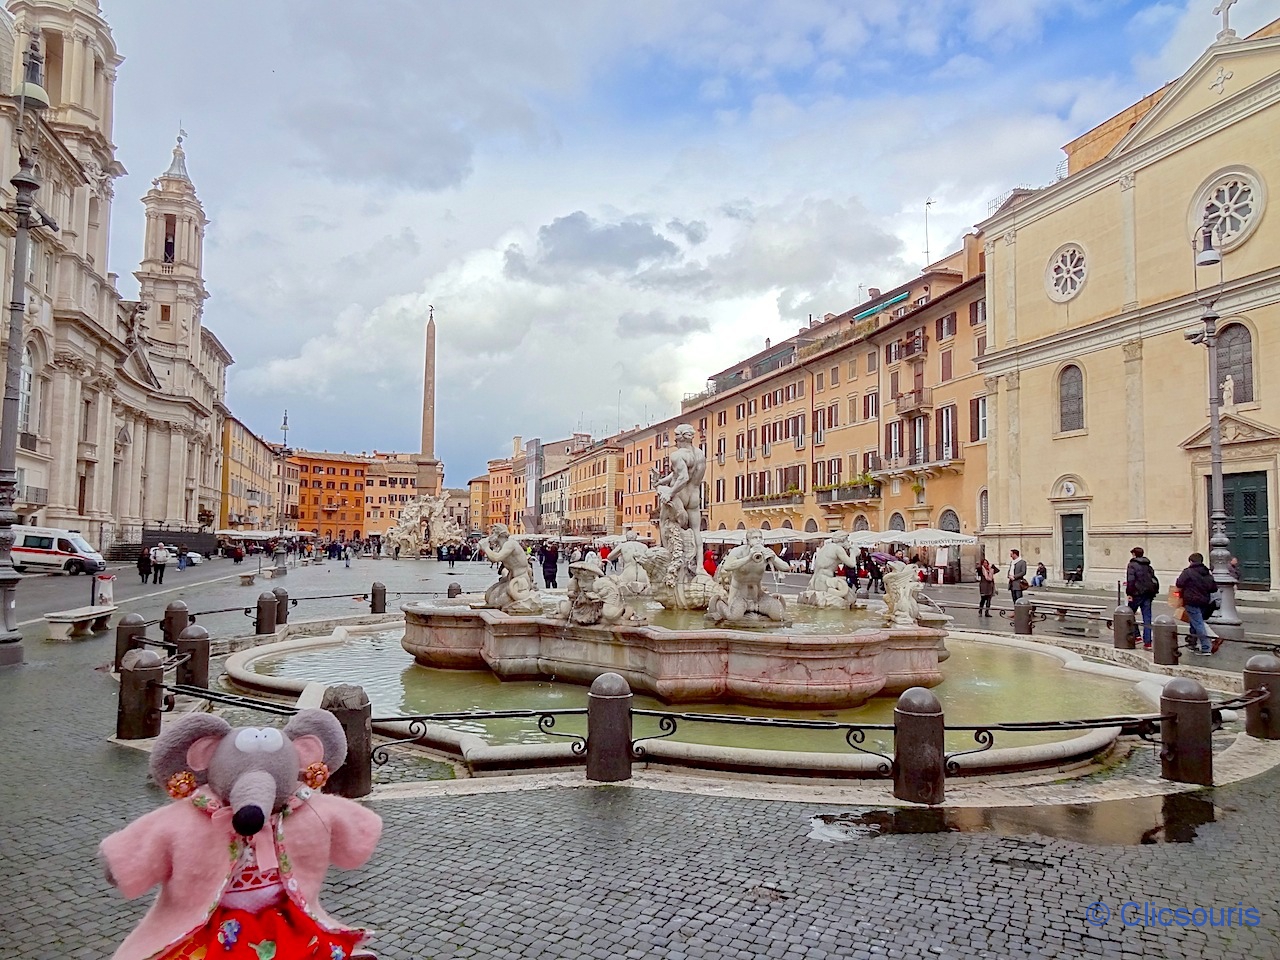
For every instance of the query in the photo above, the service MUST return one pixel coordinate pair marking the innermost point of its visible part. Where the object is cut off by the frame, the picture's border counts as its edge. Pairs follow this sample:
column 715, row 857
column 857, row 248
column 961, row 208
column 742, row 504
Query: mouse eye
column 271, row 741
column 248, row 740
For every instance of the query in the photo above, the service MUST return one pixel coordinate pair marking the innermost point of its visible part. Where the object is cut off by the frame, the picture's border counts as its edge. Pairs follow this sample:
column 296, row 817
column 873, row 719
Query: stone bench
column 247, row 579
column 80, row 622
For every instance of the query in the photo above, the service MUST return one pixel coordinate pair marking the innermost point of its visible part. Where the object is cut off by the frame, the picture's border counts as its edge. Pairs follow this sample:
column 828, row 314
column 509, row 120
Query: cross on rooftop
column 1223, row 9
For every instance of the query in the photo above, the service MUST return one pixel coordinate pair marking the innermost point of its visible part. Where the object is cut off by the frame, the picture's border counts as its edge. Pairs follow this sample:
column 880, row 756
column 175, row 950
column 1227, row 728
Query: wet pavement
column 611, row 871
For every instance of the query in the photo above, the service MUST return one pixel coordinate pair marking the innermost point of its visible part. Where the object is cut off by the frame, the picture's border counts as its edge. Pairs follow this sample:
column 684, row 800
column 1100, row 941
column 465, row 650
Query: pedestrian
column 159, row 557
column 182, row 557
column 1197, row 586
column 986, row 586
column 144, row 565
column 453, row 555
column 1040, row 576
column 1141, row 586
column 396, row 555
column 709, row 562
column 346, row 556
column 1017, row 575
column 550, row 561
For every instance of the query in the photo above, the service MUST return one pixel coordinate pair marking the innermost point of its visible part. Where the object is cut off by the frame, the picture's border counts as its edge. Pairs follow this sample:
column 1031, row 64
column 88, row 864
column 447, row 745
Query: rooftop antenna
column 927, row 204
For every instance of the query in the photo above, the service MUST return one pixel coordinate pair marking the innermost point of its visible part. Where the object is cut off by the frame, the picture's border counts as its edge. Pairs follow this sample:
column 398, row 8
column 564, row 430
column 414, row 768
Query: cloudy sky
column 604, row 202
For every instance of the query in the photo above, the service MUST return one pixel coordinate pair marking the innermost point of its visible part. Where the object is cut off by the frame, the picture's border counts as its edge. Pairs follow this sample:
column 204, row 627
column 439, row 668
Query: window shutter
column 973, row 419
column 946, row 364
column 888, row 434
column 893, row 384
column 937, row 329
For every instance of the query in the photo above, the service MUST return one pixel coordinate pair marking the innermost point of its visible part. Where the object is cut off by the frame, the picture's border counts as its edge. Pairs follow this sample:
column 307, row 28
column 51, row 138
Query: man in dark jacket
column 1197, row 585
column 1142, row 585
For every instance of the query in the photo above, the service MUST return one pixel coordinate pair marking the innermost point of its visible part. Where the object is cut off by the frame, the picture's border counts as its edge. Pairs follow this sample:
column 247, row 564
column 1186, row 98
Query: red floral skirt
column 283, row 932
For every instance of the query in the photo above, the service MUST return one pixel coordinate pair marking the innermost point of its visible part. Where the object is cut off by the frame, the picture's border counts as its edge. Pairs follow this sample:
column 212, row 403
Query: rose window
column 1066, row 272
column 1229, row 208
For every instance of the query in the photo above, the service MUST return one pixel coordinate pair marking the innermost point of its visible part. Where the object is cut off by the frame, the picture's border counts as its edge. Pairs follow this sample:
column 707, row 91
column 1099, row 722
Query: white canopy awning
column 927, row 537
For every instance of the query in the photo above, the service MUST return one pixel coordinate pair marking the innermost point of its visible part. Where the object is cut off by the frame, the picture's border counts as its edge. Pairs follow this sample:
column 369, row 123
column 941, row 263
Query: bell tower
column 170, row 278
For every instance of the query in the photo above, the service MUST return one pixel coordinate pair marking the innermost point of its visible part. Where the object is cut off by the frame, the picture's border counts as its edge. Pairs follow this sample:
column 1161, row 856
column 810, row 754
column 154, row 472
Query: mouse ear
column 176, row 747
column 323, row 726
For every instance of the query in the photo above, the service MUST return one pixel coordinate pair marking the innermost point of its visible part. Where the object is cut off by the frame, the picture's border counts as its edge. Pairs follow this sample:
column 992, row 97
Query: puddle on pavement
column 1169, row 819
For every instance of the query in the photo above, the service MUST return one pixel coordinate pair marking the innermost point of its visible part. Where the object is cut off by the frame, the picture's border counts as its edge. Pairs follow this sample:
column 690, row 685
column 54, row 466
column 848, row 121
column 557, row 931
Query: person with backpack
column 1197, row 587
column 1141, row 586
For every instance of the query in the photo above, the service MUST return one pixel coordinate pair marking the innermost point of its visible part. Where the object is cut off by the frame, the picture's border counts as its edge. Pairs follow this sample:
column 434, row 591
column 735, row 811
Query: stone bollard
column 1186, row 741
column 350, row 704
column 609, row 729
column 1262, row 720
column 1164, row 641
column 378, row 598
column 141, row 698
column 176, row 619
column 266, row 622
column 1123, row 624
column 1022, row 617
column 282, row 605
column 455, row 590
column 281, row 562
column 131, row 626
column 919, row 751
column 195, row 672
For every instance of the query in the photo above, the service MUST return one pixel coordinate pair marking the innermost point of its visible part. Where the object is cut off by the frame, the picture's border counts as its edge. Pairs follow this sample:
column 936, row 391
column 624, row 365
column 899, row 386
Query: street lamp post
column 1226, row 619
column 30, row 96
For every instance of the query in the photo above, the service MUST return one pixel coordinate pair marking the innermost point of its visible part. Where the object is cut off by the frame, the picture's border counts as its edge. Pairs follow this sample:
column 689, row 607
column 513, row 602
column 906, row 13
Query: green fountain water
column 983, row 683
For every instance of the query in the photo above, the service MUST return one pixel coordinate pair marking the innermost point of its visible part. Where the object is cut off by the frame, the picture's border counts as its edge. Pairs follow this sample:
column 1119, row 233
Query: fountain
column 747, row 651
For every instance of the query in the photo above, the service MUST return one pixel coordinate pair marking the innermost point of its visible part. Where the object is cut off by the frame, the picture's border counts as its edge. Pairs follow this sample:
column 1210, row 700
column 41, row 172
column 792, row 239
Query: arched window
column 896, row 522
column 722, row 527
column 741, row 525
column 811, row 525
column 1070, row 399
column 28, row 372
column 860, row 523
column 949, row 521
column 1235, row 360
column 786, row 525
column 764, row 525
column 984, row 509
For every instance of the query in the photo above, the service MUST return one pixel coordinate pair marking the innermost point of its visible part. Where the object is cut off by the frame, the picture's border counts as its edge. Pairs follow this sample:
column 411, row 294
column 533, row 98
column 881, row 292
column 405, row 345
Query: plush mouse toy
column 241, row 852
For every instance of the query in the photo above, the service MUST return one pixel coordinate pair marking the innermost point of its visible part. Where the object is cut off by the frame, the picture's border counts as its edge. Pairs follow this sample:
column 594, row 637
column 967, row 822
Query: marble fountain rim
column 754, row 766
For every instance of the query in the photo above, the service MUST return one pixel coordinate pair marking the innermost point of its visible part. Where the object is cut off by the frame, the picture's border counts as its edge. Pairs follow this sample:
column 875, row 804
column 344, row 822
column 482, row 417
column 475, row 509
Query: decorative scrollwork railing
column 854, row 734
column 1143, row 726
column 545, row 719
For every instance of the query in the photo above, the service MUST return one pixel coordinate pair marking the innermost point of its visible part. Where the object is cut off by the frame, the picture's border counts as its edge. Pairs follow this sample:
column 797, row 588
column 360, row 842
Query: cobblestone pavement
column 618, row 872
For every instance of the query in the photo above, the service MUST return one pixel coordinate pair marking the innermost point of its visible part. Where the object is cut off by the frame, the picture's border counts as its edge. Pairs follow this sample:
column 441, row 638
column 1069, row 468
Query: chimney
column 767, row 343
column 873, row 293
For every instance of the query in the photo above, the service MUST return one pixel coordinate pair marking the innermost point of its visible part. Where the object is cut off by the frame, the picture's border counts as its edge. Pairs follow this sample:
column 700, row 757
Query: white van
column 48, row 548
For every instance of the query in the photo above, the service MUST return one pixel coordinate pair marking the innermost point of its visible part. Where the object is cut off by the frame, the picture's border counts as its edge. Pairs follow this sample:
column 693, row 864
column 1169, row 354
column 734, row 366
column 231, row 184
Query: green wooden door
column 1072, row 542
column 1244, row 497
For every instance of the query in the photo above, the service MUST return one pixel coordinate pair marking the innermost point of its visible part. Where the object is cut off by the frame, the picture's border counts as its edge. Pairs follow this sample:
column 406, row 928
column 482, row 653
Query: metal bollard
column 1123, row 624
column 1186, row 740
column 378, row 598
column 266, row 622
column 455, row 590
column 176, row 619
column 131, row 626
column 1262, row 720
column 138, row 711
column 194, row 641
column 282, row 605
column 1022, row 616
column 609, row 729
column 350, row 704
column 1164, row 641
column 919, row 751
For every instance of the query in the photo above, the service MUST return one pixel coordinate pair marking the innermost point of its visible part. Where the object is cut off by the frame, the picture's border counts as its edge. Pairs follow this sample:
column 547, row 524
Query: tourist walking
column 1196, row 584
column 159, row 557
column 1017, row 575
column 986, row 587
column 144, row 565
column 550, row 562
column 1141, row 587
column 182, row 557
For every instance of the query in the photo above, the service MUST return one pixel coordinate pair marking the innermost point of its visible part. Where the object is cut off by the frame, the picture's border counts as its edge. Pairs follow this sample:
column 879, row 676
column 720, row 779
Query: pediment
column 1235, row 429
column 1223, row 73
column 136, row 367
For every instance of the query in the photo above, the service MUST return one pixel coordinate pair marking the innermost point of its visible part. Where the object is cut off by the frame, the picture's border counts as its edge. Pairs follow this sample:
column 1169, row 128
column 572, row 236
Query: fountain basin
column 778, row 669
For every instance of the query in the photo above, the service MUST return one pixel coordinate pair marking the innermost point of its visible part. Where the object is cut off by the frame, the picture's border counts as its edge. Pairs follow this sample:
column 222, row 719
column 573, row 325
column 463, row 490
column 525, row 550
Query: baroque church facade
column 122, row 403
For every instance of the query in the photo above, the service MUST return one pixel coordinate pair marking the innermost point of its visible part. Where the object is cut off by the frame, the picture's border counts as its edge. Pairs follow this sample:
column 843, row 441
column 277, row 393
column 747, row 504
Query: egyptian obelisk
column 430, row 470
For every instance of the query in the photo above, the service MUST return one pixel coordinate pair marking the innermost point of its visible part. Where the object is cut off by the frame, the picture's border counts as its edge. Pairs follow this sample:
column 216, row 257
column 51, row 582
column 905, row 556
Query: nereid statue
column 902, row 591
column 514, row 593
column 592, row 598
column 826, row 588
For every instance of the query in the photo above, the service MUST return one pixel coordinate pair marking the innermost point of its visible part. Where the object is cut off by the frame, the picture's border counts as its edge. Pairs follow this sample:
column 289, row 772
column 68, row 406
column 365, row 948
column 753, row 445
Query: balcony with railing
column 913, row 401
column 915, row 347
column 331, row 506
column 849, row 493
column 36, row 496
column 774, row 501
column 27, row 441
